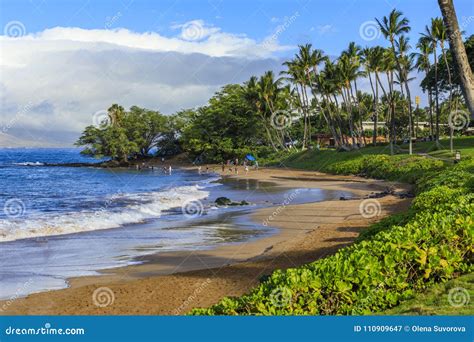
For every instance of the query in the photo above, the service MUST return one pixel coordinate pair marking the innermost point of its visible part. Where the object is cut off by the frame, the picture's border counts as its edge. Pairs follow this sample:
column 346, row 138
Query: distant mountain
column 7, row 140
column 20, row 137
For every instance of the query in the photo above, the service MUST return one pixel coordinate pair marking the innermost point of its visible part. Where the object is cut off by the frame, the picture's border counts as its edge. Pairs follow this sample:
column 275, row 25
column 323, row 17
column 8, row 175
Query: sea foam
column 146, row 206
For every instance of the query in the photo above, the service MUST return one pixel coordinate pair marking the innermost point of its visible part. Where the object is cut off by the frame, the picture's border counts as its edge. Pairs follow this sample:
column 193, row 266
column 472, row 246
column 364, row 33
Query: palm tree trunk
column 362, row 135
column 351, row 116
column 436, row 97
column 305, row 124
column 410, row 117
column 375, row 91
column 330, row 121
column 301, row 101
column 392, row 113
column 389, row 96
column 430, row 100
column 306, row 106
column 451, row 130
column 459, row 52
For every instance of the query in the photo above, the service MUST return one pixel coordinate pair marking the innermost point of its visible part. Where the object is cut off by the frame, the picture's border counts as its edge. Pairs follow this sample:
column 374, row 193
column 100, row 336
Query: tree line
column 314, row 94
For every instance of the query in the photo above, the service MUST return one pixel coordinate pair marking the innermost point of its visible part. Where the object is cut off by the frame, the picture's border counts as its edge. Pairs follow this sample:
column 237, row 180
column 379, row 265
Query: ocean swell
column 142, row 207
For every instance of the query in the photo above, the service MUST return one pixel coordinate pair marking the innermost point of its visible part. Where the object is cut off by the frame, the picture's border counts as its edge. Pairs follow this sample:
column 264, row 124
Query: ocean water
column 40, row 200
column 61, row 222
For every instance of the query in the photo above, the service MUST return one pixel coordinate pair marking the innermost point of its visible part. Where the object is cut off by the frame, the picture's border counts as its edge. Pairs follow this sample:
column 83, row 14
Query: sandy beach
column 172, row 283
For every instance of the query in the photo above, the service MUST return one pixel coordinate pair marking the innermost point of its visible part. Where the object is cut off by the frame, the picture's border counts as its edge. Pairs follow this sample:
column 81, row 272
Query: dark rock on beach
column 224, row 201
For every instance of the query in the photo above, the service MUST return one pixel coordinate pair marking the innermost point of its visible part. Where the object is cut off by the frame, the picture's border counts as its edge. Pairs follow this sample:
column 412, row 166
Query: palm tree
column 423, row 64
column 324, row 87
column 458, row 51
column 348, row 71
column 372, row 60
column 252, row 94
column 260, row 94
column 295, row 75
column 269, row 91
column 329, row 86
column 432, row 36
column 441, row 34
column 354, row 53
column 301, row 72
column 391, row 27
column 406, row 65
column 388, row 66
column 367, row 56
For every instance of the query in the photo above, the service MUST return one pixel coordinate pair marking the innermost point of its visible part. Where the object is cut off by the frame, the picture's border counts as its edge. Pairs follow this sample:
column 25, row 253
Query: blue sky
column 63, row 63
column 329, row 25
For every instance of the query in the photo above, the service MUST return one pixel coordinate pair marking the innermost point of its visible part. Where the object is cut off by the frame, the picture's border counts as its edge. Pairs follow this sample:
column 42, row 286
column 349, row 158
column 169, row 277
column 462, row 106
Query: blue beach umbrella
column 250, row 157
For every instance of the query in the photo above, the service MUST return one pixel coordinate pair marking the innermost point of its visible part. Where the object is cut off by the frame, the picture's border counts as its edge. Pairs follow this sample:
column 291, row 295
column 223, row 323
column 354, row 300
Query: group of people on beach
column 233, row 166
column 164, row 169
column 200, row 169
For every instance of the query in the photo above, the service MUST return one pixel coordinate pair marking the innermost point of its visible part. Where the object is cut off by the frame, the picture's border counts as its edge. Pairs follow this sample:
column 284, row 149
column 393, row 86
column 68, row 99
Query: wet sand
column 173, row 283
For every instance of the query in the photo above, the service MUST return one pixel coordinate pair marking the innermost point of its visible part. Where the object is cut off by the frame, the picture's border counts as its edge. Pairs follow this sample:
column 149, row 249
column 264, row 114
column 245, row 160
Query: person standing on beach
column 246, row 169
column 199, row 169
column 170, row 169
column 236, row 169
column 223, row 167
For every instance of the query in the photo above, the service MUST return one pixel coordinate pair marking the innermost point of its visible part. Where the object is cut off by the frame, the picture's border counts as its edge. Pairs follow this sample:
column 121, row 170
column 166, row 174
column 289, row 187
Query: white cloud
column 195, row 37
column 56, row 79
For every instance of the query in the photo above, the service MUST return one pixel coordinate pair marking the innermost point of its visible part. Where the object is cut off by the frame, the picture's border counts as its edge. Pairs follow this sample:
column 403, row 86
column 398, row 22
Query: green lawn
column 322, row 159
column 435, row 300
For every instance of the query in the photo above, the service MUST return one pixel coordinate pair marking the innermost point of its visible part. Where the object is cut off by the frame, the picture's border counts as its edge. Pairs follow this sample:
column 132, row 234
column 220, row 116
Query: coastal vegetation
column 315, row 101
column 394, row 260
column 124, row 135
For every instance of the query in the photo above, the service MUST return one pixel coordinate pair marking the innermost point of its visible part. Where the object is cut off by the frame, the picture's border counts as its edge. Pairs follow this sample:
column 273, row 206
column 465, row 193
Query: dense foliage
column 395, row 259
column 225, row 128
column 442, row 81
column 123, row 135
column 316, row 100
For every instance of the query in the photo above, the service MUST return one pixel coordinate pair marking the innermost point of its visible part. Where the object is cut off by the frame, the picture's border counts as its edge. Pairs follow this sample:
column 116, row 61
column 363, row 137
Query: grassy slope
column 433, row 301
column 323, row 159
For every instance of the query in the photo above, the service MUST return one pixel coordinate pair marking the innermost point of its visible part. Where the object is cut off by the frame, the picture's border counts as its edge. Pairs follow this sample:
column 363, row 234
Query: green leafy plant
column 392, row 261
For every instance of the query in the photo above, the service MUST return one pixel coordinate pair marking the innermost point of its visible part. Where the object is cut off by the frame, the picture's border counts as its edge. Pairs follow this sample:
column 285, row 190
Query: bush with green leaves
column 401, row 168
column 460, row 175
column 395, row 259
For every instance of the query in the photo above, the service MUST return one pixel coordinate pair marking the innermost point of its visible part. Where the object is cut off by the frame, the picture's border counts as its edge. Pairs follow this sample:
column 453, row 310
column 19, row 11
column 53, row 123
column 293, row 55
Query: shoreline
column 166, row 282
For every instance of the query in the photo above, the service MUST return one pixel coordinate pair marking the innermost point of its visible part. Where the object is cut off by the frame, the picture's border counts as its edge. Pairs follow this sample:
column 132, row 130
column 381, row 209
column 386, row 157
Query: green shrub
column 384, row 224
column 391, row 261
column 353, row 167
column 460, row 175
column 368, row 276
